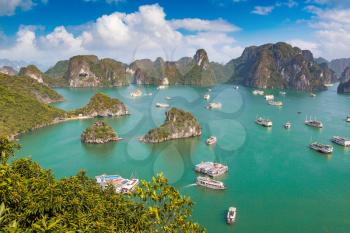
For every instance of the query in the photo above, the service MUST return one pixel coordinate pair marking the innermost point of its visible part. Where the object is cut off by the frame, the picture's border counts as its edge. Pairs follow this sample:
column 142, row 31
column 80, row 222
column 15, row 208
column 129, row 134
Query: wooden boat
column 231, row 215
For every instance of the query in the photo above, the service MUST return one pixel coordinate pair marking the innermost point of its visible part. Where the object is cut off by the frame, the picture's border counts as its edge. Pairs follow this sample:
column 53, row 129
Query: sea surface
column 276, row 182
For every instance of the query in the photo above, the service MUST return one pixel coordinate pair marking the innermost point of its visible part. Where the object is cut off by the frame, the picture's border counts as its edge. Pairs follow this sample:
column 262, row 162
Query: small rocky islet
column 178, row 124
column 99, row 133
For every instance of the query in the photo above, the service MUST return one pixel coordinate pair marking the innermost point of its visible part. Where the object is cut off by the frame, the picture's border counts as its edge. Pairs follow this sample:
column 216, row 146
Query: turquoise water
column 277, row 183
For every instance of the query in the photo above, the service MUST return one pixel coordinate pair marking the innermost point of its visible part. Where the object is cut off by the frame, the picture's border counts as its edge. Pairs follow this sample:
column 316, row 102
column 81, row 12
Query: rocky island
column 101, row 105
column 178, row 124
column 99, row 133
column 344, row 85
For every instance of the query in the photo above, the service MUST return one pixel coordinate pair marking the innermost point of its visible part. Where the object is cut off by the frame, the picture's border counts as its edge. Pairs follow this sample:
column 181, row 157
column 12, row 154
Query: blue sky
column 45, row 31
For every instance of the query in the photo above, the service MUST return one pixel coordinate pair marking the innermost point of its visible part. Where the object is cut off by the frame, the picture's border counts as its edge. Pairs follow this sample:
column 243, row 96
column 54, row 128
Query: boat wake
column 190, row 185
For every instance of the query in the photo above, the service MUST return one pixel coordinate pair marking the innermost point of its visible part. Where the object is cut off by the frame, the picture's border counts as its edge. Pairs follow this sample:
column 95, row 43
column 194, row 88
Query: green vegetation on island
column 99, row 133
column 178, row 124
column 102, row 105
column 32, row 200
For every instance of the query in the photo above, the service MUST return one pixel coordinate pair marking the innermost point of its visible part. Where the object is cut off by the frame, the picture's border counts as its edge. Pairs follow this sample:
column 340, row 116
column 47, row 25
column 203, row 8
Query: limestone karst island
column 175, row 116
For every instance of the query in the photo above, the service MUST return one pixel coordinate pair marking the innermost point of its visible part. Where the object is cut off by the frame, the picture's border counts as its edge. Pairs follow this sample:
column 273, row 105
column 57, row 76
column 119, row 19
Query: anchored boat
column 210, row 183
column 347, row 118
column 160, row 87
column 162, row 105
column 275, row 103
column 258, row 92
column 136, row 93
column 211, row 140
column 325, row 149
column 314, row 123
column 120, row 184
column 206, row 97
column 287, row 125
column 269, row 97
column 235, row 87
column 231, row 215
column 211, row 169
column 341, row 141
column 263, row 122
column 312, row 94
column 214, row 105
column 283, row 93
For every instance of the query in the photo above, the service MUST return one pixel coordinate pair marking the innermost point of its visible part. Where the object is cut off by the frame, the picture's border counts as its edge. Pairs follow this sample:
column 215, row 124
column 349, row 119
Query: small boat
column 312, row 94
column 328, row 84
column 269, row 97
column 325, row 149
column 168, row 98
column 283, row 93
column 231, row 215
column 258, row 92
column 161, row 87
column 275, row 103
column 314, row 123
column 210, row 183
column 341, row 141
column 206, row 97
column 235, row 87
column 287, row 125
column 347, row 118
column 162, row 105
column 136, row 93
column 214, row 105
column 209, row 89
column 211, row 140
column 263, row 122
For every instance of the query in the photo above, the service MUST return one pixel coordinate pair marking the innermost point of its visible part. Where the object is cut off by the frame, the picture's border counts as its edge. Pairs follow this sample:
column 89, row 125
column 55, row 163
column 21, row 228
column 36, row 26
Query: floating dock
column 211, row 169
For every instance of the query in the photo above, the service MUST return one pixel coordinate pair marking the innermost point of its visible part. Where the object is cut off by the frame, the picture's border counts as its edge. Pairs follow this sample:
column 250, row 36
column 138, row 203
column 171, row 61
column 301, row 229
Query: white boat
column 314, row 123
column 211, row 169
column 258, row 92
column 136, row 93
column 206, row 96
column 263, row 122
column 162, row 105
column 325, row 149
column 328, row 84
column 211, row 140
column 235, row 87
column 312, row 94
column 287, row 125
column 275, row 103
column 231, row 215
column 168, row 98
column 209, row 89
column 120, row 184
column 209, row 183
column 161, row 87
column 283, row 93
column 214, row 105
column 269, row 97
column 341, row 141
column 347, row 118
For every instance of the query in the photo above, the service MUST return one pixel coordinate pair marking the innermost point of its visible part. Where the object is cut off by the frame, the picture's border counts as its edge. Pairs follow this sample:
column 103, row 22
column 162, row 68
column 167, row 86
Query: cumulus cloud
column 308, row 45
column 262, row 10
column 145, row 33
column 8, row 7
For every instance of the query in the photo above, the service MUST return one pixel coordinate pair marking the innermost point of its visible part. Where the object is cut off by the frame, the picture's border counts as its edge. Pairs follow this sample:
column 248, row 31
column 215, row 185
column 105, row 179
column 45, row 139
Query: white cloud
column 308, row 45
column 262, row 10
column 125, row 37
column 8, row 7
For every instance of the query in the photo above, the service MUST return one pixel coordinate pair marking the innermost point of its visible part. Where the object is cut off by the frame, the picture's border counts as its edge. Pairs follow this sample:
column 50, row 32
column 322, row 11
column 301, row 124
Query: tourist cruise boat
column 209, row 183
column 214, row 105
column 326, row 149
column 347, row 118
column 120, row 184
column 258, row 92
column 211, row 169
column 136, row 93
column 211, row 140
column 287, row 125
column 161, row 87
column 341, row 141
column 231, row 215
column 275, row 103
column 263, row 122
column 314, row 123
column 162, row 105
column 206, row 97
column 269, row 97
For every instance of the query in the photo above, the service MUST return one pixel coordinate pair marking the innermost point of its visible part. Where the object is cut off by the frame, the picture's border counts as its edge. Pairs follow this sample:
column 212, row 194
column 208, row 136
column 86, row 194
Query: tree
column 7, row 149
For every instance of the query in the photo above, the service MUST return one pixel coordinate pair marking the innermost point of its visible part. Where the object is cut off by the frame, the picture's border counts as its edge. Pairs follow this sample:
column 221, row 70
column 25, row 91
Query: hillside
column 280, row 66
column 99, row 133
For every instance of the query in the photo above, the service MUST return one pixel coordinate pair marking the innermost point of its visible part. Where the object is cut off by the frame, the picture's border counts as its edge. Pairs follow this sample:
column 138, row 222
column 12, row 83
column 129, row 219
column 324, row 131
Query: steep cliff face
column 89, row 71
column 344, row 85
column 99, row 133
column 101, row 105
column 280, row 66
column 33, row 72
column 8, row 70
column 339, row 65
column 189, row 71
column 178, row 124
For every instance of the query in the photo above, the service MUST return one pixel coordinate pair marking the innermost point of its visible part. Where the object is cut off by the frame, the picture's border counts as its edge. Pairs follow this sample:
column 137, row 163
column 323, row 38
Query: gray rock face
column 339, row 65
column 33, row 72
column 8, row 70
column 280, row 66
column 344, row 85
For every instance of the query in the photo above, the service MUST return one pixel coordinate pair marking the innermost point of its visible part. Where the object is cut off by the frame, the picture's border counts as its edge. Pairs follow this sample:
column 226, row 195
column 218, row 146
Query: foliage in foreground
column 32, row 200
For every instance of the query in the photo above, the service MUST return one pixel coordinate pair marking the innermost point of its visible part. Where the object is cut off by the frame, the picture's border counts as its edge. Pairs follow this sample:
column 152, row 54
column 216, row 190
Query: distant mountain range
column 338, row 65
column 267, row 66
